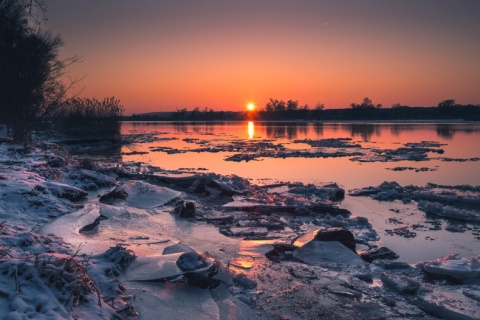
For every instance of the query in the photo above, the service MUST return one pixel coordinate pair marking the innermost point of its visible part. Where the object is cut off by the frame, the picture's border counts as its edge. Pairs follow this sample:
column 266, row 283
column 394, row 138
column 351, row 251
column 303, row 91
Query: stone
column 190, row 261
column 116, row 194
column 281, row 251
column 185, row 209
column 341, row 235
column 378, row 253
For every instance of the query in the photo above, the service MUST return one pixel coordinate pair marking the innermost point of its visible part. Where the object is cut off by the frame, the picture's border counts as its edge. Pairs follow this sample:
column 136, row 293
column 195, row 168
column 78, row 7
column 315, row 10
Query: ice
column 325, row 253
column 144, row 195
column 458, row 268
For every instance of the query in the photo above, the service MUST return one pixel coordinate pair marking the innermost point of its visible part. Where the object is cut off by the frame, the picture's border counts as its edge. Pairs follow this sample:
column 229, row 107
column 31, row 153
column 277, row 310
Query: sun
column 250, row 107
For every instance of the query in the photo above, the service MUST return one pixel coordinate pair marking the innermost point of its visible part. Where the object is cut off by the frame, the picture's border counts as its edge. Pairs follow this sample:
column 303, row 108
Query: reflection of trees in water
column 286, row 130
column 396, row 129
column 197, row 127
column 318, row 128
column 445, row 131
column 448, row 130
column 364, row 130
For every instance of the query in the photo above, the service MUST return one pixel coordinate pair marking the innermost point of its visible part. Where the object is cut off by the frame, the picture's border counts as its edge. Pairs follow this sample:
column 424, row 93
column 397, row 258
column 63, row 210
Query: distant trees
column 366, row 104
column 446, row 103
column 30, row 71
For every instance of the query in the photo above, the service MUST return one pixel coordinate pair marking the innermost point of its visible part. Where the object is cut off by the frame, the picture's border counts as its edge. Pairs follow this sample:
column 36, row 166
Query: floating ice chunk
column 449, row 211
column 460, row 269
column 448, row 303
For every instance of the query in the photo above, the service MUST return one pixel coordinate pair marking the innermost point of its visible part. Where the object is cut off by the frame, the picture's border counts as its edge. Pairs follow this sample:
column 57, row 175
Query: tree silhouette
column 30, row 71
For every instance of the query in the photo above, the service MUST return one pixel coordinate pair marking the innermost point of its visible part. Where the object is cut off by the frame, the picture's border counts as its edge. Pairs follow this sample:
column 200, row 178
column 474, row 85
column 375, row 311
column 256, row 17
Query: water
column 180, row 144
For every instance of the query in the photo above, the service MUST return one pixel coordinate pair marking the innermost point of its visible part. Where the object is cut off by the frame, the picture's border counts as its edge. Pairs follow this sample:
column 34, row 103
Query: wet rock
column 116, row 194
column 185, row 209
column 281, row 251
column 190, row 261
column 378, row 253
column 400, row 283
column 341, row 235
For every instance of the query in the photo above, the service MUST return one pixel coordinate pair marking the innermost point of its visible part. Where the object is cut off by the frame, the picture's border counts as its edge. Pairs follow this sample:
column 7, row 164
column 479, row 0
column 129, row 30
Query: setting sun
column 250, row 107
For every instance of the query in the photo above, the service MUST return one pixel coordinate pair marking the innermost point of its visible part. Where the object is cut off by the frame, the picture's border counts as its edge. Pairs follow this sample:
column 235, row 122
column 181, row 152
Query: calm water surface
column 461, row 141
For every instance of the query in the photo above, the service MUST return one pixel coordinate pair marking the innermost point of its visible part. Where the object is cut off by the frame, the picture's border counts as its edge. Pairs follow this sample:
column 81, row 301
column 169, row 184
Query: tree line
column 278, row 110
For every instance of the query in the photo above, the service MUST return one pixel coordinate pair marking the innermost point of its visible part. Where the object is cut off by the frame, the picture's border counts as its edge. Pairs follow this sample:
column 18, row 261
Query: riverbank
column 135, row 238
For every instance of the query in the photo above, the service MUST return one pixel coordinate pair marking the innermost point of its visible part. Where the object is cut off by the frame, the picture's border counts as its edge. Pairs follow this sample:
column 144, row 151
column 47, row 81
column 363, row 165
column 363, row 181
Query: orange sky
column 159, row 55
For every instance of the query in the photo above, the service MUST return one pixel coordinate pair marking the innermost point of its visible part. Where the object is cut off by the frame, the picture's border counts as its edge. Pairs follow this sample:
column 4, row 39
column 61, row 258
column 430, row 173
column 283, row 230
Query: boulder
column 185, row 209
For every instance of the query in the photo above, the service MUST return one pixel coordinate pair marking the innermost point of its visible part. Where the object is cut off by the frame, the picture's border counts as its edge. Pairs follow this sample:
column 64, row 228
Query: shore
column 81, row 240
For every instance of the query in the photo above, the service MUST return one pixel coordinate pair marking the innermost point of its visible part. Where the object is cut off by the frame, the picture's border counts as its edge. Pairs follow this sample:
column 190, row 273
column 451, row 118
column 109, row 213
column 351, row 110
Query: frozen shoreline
column 40, row 185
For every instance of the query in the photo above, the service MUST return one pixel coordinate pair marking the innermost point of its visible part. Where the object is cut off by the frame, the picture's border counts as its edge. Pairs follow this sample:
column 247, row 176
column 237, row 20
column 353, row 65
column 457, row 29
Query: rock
column 190, row 261
column 185, row 209
column 400, row 283
column 281, row 251
column 324, row 253
column 341, row 235
column 116, row 194
column 378, row 253
column 55, row 161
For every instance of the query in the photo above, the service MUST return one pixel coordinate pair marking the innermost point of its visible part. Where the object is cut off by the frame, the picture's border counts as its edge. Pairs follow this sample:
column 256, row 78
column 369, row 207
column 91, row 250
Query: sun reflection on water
column 251, row 129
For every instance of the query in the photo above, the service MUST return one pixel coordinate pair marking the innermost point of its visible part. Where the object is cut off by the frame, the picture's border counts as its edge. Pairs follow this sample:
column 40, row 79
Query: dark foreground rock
column 378, row 253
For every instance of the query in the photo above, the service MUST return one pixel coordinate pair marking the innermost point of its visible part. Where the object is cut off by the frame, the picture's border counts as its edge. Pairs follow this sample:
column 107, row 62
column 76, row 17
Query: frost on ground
column 41, row 276
column 207, row 246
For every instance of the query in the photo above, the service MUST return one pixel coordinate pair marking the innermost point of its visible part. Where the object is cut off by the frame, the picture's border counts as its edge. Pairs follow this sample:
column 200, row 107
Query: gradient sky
column 222, row 54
